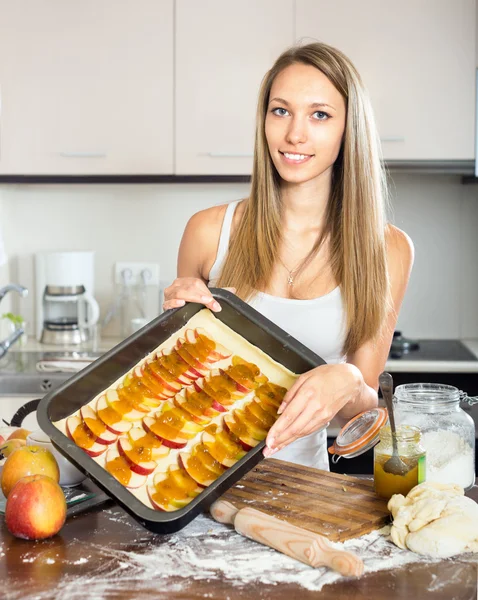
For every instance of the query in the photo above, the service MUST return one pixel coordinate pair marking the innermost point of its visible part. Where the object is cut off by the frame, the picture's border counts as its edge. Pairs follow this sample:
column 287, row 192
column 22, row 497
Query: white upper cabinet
column 223, row 50
column 86, row 87
column 417, row 58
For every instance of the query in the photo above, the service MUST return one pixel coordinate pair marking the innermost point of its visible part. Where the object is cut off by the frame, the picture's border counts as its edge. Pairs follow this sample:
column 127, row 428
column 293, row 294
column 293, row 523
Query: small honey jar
column 411, row 453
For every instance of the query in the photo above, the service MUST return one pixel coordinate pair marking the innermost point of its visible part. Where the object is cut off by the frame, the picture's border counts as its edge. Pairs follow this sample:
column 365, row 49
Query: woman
column 310, row 247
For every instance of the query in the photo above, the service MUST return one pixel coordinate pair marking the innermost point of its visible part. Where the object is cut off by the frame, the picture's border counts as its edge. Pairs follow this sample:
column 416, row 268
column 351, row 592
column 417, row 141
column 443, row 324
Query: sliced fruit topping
column 138, row 457
column 167, row 380
column 202, row 366
column 240, row 431
column 253, row 428
column 122, row 406
column 174, row 365
column 169, row 436
column 97, row 428
column 205, row 457
column 246, row 375
column 173, row 489
column 119, row 467
column 133, row 394
column 222, row 447
column 154, row 390
column 112, row 419
column 194, row 411
column 83, row 437
column 254, row 411
column 141, row 438
column 270, row 393
column 196, row 469
column 216, row 351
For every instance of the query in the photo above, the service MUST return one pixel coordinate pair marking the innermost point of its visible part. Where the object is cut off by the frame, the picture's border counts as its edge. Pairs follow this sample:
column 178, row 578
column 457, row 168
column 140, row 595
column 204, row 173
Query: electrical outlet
column 133, row 272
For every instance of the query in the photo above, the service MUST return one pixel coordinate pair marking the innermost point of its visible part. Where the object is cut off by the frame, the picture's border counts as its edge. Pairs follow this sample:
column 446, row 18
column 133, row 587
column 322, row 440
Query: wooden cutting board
column 339, row 507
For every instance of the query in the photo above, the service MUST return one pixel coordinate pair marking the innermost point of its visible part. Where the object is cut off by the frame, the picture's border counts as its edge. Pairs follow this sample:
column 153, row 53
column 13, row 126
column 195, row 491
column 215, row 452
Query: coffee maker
column 66, row 309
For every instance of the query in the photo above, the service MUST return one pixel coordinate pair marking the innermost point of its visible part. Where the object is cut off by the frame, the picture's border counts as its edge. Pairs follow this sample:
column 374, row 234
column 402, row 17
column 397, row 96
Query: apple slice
column 201, row 452
column 195, row 366
column 160, row 371
column 270, row 393
column 111, row 418
column 158, row 504
column 165, row 494
column 170, row 437
column 253, row 428
column 122, row 406
column 137, row 457
column 96, row 427
column 194, row 411
column 226, row 454
column 180, row 478
column 254, row 411
column 178, row 418
column 154, row 395
column 83, row 438
column 196, row 470
column 119, row 467
column 240, row 431
column 134, row 396
column 218, row 352
column 139, row 437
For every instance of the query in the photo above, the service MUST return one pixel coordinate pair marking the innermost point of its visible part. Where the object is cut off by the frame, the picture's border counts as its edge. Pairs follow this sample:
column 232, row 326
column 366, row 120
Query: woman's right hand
column 190, row 289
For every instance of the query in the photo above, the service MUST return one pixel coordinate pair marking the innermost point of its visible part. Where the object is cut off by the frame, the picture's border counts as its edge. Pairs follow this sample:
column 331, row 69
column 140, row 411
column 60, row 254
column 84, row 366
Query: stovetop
column 436, row 350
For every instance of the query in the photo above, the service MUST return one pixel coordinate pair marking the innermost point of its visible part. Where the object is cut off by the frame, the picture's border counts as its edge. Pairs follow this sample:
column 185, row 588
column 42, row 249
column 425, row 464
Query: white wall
column 145, row 223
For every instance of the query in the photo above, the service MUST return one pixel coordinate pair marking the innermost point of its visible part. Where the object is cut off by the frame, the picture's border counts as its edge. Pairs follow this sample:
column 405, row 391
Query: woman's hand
column 314, row 399
column 190, row 289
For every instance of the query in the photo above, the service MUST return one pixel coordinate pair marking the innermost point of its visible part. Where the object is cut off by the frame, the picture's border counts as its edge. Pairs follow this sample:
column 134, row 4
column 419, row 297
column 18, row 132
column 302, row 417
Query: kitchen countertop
column 105, row 554
column 403, row 365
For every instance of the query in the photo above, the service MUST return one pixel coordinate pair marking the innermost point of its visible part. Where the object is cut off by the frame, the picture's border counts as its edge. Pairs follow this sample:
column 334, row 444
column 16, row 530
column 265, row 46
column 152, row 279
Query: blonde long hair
column 355, row 215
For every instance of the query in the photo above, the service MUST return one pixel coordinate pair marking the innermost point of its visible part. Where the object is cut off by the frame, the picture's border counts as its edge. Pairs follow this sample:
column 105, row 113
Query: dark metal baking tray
column 93, row 379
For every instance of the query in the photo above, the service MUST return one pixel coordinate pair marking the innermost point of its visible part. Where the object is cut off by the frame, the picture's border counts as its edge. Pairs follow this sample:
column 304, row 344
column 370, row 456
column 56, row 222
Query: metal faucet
column 13, row 337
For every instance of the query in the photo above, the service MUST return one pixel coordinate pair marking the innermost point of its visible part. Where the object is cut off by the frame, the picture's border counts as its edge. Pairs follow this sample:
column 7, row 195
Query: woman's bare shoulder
column 400, row 251
column 201, row 239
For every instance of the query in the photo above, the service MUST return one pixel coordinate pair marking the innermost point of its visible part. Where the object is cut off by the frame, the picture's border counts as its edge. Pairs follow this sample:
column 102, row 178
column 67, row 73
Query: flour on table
column 208, row 551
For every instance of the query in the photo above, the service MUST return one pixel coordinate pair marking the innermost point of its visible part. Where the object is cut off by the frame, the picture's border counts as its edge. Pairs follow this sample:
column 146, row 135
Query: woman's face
column 305, row 122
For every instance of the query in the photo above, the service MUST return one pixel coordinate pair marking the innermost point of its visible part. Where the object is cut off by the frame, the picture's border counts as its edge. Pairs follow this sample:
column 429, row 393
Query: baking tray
column 93, row 379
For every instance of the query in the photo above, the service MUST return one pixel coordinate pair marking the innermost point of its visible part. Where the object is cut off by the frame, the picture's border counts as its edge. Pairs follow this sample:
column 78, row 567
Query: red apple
column 28, row 460
column 96, row 427
column 81, row 435
column 36, row 508
column 142, row 467
column 19, row 434
column 120, row 468
column 112, row 419
column 8, row 447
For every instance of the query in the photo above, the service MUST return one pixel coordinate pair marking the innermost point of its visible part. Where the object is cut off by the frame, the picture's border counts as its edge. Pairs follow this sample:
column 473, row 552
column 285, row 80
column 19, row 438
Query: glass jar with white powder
column 448, row 432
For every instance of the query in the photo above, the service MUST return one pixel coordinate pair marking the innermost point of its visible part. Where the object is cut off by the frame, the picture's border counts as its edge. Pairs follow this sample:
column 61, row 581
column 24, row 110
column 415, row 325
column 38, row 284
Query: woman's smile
column 291, row 158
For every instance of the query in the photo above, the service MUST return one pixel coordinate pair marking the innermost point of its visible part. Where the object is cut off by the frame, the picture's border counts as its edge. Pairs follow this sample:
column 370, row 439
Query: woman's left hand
column 314, row 399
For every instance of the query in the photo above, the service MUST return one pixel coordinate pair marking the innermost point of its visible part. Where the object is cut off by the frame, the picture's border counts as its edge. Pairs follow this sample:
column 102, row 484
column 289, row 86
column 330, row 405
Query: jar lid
column 360, row 434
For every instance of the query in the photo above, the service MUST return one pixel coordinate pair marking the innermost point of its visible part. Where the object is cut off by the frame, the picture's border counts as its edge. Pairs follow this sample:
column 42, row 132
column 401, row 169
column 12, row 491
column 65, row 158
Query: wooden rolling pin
column 308, row 547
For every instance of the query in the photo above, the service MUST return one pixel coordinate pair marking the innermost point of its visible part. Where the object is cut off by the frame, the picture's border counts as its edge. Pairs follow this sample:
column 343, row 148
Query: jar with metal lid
column 448, row 432
column 412, row 454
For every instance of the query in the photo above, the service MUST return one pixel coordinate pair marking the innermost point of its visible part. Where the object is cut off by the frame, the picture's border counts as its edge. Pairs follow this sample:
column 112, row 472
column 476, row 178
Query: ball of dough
column 435, row 520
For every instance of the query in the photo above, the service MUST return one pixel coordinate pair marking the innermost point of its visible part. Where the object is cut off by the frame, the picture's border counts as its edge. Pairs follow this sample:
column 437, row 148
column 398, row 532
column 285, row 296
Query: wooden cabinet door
column 223, row 50
column 417, row 59
column 86, row 87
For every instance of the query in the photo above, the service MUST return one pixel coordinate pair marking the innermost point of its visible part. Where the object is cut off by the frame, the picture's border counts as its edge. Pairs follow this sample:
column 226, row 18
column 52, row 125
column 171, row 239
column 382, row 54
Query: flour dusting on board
column 204, row 551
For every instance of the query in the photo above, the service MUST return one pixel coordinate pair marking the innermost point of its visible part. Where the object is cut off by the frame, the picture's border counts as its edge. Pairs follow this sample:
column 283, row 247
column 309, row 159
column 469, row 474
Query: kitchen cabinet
column 222, row 53
column 417, row 60
column 86, row 87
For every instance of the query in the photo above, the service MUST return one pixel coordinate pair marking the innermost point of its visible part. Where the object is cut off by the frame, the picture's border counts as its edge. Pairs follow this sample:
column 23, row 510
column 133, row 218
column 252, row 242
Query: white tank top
column 317, row 323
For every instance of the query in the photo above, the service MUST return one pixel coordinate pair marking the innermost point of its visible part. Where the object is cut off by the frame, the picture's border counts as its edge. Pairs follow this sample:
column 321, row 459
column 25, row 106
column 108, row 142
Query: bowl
column 69, row 474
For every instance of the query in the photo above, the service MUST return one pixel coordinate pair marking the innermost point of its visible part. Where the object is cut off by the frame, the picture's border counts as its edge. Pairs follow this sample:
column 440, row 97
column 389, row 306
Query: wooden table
column 38, row 570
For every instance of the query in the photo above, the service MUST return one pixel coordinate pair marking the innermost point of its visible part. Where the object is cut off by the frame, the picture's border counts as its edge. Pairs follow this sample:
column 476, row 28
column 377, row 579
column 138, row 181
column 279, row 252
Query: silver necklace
column 290, row 273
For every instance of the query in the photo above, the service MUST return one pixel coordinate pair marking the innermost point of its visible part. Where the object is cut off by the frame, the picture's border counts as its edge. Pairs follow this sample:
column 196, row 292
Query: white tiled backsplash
column 145, row 223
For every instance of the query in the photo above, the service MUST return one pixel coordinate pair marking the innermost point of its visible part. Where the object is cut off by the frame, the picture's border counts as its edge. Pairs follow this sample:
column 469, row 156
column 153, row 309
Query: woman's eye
column 280, row 112
column 321, row 116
